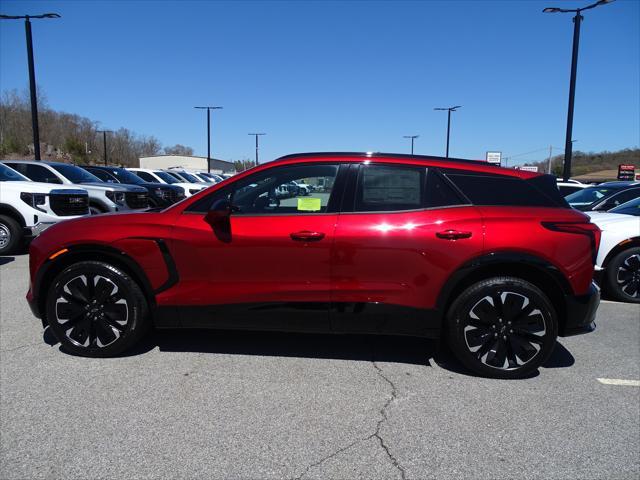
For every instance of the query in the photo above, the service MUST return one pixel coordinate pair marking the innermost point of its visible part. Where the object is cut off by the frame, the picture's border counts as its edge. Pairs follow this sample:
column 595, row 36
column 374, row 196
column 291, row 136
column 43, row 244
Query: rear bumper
column 581, row 312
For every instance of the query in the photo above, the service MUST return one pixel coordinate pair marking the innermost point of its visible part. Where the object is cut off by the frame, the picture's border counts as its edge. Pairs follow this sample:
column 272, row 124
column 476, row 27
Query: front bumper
column 581, row 312
column 38, row 228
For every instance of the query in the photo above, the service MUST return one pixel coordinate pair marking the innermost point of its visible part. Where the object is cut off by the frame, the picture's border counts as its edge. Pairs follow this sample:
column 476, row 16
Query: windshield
column 630, row 208
column 10, row 175
column 125, row 176
column 587, row 196
column 165, row 176
column 189, row 177
column 76, row 174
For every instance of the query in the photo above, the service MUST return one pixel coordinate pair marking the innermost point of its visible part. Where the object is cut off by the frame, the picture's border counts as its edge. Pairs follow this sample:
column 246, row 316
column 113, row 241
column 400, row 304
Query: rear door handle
column 307, row 236
column 453, row 234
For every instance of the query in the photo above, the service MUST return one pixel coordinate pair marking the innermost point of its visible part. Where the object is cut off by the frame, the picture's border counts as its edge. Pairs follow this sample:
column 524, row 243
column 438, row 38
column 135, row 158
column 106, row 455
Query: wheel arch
column 535, row 270
column 620, row 247
column 78, row 253
column 10, row 211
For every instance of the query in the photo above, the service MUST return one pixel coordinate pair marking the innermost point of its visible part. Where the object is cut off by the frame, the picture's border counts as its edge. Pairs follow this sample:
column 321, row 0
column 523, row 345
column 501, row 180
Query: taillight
column 589, row 229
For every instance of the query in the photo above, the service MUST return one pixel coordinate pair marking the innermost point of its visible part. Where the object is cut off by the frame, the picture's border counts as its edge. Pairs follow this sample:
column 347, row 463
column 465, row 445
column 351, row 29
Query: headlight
column 116, row 197
column 33, row 200
column 162, row 193
column 193, row 191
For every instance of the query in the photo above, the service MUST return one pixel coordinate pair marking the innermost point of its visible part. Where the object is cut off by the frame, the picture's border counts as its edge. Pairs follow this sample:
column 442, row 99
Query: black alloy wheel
column 623, row 276
column 503, row 327
column 95, row 309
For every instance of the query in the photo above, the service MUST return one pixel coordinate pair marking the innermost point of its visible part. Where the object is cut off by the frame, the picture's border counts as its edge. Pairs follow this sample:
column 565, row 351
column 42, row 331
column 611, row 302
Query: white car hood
column 37, row 187
column 608, row 221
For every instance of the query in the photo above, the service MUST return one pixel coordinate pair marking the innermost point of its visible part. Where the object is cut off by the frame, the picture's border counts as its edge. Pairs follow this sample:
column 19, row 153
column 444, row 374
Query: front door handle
column 453, row 234
column 307, row 236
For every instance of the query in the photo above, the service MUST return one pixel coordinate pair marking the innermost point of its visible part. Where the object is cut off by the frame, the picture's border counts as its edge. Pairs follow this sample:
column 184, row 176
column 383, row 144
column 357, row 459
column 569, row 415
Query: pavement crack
column 384, row 418
column 328, row 457
column 20, row 347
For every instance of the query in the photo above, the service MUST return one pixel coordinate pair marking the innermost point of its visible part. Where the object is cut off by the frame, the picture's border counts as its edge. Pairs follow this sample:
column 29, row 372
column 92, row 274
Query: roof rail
column 378, row 154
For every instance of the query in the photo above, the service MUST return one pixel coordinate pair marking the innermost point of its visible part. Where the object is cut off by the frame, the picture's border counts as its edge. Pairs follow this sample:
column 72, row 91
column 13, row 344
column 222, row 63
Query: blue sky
column 333, row 75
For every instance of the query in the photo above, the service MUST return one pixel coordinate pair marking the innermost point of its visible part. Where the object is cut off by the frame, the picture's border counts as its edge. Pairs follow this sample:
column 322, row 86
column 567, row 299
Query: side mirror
column 219, row 213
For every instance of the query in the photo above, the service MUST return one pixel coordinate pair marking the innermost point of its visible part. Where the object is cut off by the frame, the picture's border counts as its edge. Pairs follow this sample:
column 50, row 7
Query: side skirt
column 347, row 318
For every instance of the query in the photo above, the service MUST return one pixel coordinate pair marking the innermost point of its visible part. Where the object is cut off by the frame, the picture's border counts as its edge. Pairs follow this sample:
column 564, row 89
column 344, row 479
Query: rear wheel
column 10, row 235
column 96, row 309
column 623, row 276
column 502, row 327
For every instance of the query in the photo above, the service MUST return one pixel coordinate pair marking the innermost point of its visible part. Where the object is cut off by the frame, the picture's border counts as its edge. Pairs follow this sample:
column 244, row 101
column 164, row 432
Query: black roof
column 379, row 154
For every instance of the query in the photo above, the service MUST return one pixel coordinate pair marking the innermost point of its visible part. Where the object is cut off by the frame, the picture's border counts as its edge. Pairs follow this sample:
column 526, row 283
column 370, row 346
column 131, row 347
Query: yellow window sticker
column 309, row 204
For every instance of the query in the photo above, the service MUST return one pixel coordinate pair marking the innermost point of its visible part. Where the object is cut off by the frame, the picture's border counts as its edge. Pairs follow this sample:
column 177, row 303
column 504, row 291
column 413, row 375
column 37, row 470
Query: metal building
column 188, row 162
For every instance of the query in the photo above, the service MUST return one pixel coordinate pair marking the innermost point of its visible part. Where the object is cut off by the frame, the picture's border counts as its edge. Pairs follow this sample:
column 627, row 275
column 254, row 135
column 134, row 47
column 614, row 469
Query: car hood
column 39, row 187
column 114, row 187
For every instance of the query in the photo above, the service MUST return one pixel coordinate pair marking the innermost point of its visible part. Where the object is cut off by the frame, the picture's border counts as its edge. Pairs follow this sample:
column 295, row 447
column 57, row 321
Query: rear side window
column 147, row 177
column 484, row 189
column 389, row 188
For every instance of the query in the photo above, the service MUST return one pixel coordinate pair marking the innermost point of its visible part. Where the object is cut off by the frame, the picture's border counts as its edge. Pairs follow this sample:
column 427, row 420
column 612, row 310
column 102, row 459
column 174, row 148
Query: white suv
column 103, row 197
column 27, row 208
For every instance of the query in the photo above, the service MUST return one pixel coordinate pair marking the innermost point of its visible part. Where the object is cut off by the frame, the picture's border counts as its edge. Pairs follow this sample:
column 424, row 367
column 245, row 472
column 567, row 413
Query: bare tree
column 178, row 150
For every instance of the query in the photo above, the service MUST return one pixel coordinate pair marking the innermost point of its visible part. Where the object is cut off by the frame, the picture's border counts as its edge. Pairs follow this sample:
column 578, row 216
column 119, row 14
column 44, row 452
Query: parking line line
column 619, row 381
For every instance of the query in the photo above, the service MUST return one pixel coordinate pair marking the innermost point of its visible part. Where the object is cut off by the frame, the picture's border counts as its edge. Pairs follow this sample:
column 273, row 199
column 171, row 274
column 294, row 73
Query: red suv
column 491, row 259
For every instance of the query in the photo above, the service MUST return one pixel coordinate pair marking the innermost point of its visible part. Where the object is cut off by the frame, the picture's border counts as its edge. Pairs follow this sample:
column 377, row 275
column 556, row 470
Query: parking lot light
column 449, row 110
column 32, row 75
column 257, row 135
column 412, row 137
column 577, row 20
column 209, row 133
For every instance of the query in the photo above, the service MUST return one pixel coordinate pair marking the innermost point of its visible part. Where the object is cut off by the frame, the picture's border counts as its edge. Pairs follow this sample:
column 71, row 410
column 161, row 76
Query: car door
column 269, row 268
column 403, row 230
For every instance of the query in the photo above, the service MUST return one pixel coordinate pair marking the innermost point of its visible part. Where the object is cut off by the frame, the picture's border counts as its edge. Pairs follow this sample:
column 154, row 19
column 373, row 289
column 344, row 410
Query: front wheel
column 10, row 235
column 502, row 327
column 623, row 276
column 96, row 310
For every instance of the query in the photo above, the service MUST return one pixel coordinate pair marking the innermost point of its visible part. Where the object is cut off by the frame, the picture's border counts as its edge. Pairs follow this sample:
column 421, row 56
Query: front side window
column 102, row 175
column 304, row 189
column 75, row 174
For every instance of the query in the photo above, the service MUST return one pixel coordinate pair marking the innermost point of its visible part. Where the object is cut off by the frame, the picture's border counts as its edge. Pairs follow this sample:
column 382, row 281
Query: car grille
column 68, row 203
column 137, row 199
column 174, row 196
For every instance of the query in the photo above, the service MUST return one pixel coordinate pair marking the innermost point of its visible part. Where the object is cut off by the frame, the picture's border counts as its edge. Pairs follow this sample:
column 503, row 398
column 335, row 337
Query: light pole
column 449, row 110
column 32, row 75
column 209, row 134
column 257, row 135
column 577, row 19
column 412, row 137
column 104, row 143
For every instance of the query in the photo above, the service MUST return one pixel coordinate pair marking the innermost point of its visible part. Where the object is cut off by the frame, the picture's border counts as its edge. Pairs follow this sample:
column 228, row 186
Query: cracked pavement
column 192, row 404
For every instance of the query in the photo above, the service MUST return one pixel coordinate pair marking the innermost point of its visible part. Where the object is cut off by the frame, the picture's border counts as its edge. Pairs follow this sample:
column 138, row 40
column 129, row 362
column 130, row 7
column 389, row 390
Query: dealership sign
column 528, row 168
column 626, row 172
column 494, row 158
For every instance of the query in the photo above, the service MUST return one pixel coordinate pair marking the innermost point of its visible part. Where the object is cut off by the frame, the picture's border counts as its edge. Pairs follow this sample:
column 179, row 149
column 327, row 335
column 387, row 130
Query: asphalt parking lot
column 191, row 404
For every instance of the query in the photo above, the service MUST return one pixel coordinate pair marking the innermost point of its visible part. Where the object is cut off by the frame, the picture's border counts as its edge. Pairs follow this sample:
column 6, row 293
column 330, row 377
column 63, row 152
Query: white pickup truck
column 27, row 208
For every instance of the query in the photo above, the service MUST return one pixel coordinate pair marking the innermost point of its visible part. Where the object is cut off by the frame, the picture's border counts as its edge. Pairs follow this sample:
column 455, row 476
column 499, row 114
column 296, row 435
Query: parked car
column 27, row 208
column 618, row 262
column 570, row 186
column 103, row 197
column 160, row 194
column 193, row 176
column 394, row 245
column 182, row 174
column 604, row 197
column 160, row 176
column 212, row 176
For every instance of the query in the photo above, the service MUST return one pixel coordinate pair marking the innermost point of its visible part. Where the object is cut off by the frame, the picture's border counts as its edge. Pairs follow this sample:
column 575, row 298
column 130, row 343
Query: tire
column 10, row 235
column 105, row 320
column 510, row 341
column 622, row 277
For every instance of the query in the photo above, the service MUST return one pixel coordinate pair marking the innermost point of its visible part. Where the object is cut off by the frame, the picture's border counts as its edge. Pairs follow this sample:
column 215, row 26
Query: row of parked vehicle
column 615, row 208
column 35, row 195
